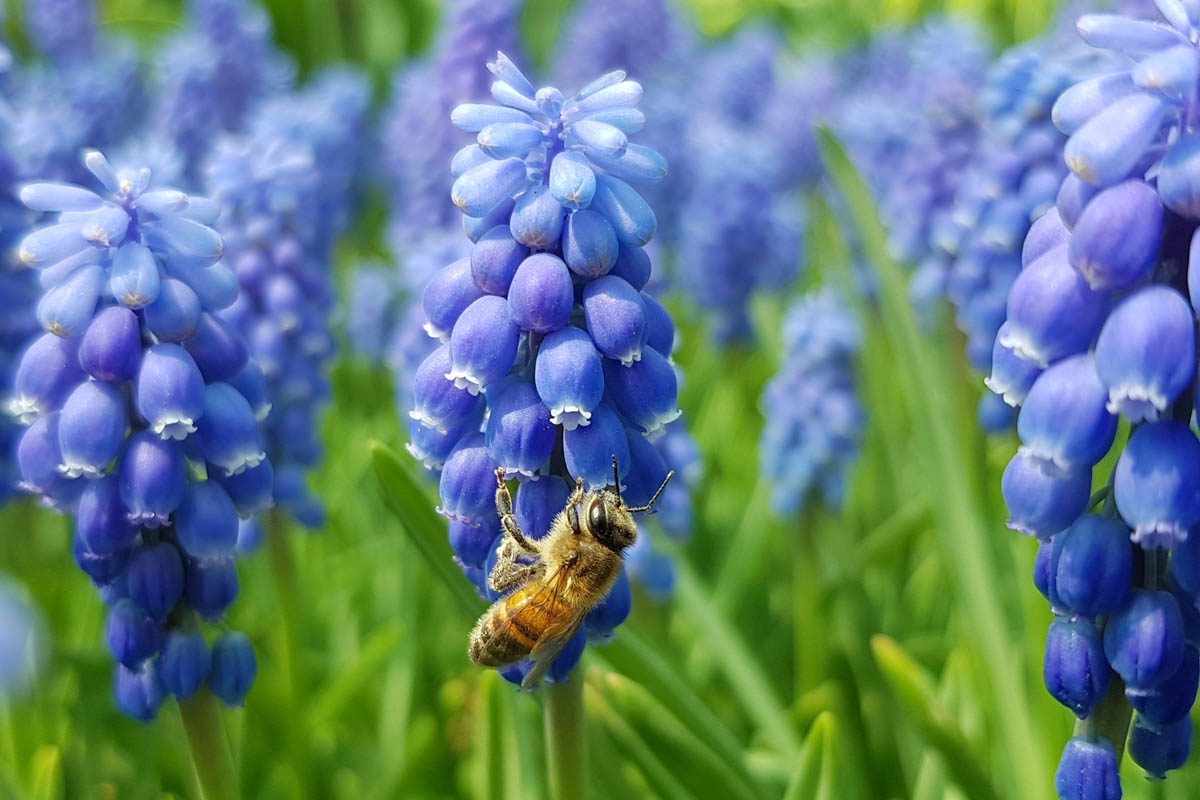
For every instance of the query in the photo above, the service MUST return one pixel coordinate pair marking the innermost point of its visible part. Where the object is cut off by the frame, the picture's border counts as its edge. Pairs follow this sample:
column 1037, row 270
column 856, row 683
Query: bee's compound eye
column 596, row 516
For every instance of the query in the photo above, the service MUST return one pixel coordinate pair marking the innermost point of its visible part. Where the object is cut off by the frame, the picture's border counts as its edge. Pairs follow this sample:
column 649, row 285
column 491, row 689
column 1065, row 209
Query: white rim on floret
column 1158, row 535
column 1009, row 394
column 1018, row 341
column 175, row 428
column 1048, row 461
column 660, row 422
column 263, row 411
column 570, row 417
column 24, row 409
column 434, row 332
column 75, row 469
column 427, row 460
column 1136, row 402
column 463, row 379
column 627, row 359
column 428, row 420
column 240, row 462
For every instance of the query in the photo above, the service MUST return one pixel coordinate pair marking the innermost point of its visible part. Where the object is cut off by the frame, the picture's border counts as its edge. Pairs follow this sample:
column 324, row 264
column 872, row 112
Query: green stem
column 283, row 568
column 1111, row 718
column 566, row 751
column 212, row 759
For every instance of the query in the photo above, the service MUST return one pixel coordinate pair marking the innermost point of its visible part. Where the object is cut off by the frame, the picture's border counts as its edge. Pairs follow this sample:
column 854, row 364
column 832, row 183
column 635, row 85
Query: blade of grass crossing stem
column 929, row 395
column 488, row 746
column 658, row 774
column 694, row 758
column 47, row 778
column 333, row 700
column 633, row 656
column 742, row 670
column 913, row 687
column 815, row 777
column 412, row 506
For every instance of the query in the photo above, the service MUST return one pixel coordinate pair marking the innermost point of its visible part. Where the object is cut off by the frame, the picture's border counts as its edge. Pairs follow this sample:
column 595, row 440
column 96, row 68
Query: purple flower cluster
column 553, row 358
column 814, row 420
column 139, row 425
column 1099, row 327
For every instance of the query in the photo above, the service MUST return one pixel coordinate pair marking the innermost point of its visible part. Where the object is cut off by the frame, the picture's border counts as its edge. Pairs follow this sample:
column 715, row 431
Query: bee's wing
column 548, row 647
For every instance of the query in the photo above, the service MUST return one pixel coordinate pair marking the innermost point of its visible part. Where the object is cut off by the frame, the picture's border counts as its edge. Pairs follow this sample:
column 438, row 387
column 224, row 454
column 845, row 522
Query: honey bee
column 555, row 581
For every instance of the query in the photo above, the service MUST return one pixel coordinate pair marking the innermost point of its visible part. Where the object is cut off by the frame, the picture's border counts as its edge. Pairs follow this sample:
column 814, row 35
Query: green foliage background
column 889, row 651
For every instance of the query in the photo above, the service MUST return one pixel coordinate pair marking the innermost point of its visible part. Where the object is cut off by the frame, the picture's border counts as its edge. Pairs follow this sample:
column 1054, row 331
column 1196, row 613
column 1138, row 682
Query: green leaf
column 914, row 688
column 691, row 757
column 952, row 479
column 815, row 777
column 47, row 781
column 406, row 497
column 349, row 683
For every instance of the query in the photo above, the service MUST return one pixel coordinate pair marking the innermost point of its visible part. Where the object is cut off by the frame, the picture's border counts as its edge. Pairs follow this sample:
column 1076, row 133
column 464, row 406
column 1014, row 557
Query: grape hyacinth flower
column 138, row 425
column 814, row 420
column 22, row 641
column 1100, row 325
column 549, row 367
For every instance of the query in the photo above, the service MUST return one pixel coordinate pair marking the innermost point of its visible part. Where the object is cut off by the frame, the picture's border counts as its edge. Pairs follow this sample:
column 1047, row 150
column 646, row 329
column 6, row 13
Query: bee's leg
column 508, row 520
column 509, row 574
column 577, row 495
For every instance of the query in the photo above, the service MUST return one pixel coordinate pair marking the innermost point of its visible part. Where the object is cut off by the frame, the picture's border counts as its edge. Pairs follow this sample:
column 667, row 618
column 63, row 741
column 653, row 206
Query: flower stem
column 212, row 759
column 566, row 752
column 283, row 568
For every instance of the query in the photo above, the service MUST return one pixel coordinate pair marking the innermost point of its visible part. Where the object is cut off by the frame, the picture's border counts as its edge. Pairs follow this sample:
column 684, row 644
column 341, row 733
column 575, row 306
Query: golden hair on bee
column 550, row 584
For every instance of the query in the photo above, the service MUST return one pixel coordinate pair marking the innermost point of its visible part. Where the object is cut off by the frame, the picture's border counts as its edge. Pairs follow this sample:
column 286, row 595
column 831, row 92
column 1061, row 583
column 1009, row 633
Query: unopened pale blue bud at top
column 67, row 307
column 152, row 478
column 135, row 279
column 645, row 393
column 1065, row 424
column 1073, row 196
column 611, row 611
column 542, row 295
column 1126, row 34
column 212, row 585
column 468, row 482
column 1046, row 233
column 1146, row 353
column 219, row 350
column 111, row 347
column 1042, row 503
column 50, row 245
column 446, row 296
column 185, row 663
column 1107, row 148
column 47, row 374
column 569, row 377
column 1052, row 312
column 520, row 436
column 132, row 634
column 572, row 180
column 228, row 431
column 539, row 502
column 494, row 260
column 482, row 188
column 483, row 344
column 1171, row 72
column 1088, row 770
column 1159, row 749
column 1092, row 566
column 502, row 140
column 1116, row 239
column 437, row 402
column 1086, row 99
column 1075, row 671
column 100, row 520
column 616, row 318
column 589, row 244
column 589, row 449
column 631, row 217
column 91, row 429
column 1172, row 700
column 139, row 693
column 170, row 391
column 1143, row 641
column 234, row 668
column 154, row 579
column 1156, row 483
column 537, row 219
column 206, row 522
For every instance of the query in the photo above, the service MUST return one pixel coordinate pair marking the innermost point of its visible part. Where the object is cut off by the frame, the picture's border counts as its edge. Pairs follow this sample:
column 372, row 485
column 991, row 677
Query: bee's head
column 609, row 519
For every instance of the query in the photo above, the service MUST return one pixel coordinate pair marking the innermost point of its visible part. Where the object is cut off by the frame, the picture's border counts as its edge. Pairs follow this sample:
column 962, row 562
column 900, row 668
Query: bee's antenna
column 654, row 499
column 617, row 481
